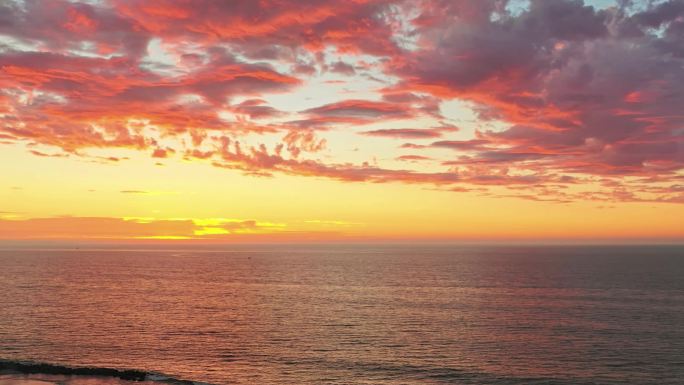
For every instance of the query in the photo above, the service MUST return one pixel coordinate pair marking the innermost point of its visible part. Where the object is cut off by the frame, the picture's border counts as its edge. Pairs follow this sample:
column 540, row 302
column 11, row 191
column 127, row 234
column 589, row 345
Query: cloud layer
column 571, row 101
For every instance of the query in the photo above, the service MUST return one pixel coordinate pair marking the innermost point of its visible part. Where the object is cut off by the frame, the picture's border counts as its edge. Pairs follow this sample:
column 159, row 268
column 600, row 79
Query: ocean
column 354, row 314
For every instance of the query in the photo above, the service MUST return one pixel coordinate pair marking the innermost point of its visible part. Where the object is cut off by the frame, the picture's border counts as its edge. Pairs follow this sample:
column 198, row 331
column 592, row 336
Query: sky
column 338, row 120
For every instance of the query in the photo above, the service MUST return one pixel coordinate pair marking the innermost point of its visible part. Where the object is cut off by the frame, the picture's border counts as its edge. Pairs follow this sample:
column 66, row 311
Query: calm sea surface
column 353, row 314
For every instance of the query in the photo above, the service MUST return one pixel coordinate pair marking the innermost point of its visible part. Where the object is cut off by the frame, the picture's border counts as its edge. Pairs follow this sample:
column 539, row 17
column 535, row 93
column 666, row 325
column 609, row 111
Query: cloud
column 463, row 145
column 413, row 158
column 342, row 68
column 64, row 25
column 260, row 161
column 256, row 109
column 350, row 26
column 586, row 91
column 298, row 141
column 406, row 133
column 76, row 102
column 413, row 146
column 162, row 152
column 92, row 228
column 46, row 155
column 358, row 111
column 577, row 93
column 410, row 133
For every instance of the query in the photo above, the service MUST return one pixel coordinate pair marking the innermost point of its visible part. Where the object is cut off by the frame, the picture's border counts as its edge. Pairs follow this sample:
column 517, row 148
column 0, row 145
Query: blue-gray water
column 353, row 314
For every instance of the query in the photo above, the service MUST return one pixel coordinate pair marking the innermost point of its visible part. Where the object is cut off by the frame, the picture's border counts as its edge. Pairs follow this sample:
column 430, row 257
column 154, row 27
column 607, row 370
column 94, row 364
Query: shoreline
column 26, row 372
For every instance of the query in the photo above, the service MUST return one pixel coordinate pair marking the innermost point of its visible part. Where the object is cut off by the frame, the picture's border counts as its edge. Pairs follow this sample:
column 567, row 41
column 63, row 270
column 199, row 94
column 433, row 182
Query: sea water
column 354, row 314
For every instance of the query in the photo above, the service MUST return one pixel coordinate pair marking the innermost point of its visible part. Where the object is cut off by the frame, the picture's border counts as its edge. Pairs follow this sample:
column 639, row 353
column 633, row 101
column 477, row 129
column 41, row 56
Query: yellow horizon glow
column 292, row 208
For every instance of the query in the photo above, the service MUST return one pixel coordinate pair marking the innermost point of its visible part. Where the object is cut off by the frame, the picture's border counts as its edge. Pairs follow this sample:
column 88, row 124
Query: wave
column 30, row 367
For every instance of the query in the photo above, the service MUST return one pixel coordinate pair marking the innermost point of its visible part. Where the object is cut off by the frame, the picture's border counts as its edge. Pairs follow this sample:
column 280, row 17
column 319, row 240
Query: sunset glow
column 366, row 120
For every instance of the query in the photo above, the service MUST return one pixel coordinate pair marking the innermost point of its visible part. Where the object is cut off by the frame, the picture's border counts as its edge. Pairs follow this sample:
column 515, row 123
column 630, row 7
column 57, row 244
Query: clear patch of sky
column 160, row 59
column 516, row 7
column 330, row 87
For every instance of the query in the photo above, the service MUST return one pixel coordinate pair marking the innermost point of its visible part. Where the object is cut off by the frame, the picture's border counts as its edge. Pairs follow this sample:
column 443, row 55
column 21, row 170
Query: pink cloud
column 413, row 158
column 411, row 133
column 361, row 110
column 586, row 91
column 581, row 91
